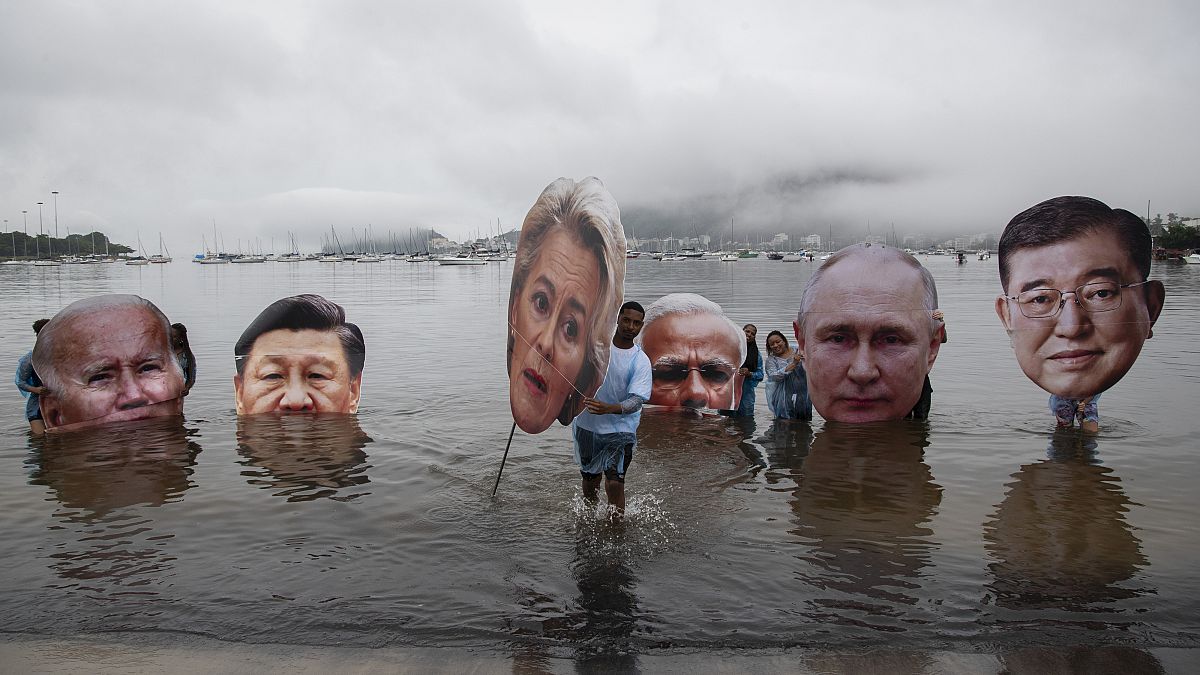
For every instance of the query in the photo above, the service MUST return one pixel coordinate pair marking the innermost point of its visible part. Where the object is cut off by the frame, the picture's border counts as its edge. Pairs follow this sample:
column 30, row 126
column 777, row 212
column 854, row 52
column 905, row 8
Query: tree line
column 20, row 245
column 1173, row 234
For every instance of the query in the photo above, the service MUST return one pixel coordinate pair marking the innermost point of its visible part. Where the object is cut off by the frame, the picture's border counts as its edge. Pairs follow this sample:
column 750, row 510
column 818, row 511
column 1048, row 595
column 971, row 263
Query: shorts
column 1067, row 409
column 609, row 454
column 33, row 410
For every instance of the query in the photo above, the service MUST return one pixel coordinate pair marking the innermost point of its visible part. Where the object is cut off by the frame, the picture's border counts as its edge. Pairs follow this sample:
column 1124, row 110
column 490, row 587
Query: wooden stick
column 504, row 459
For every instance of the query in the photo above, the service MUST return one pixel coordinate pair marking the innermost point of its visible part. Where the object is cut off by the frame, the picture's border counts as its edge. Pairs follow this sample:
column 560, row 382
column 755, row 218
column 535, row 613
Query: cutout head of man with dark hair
column 868, row 335
column 695, row 352
column 1077, row 303
column 107, row 359
column 299, row 355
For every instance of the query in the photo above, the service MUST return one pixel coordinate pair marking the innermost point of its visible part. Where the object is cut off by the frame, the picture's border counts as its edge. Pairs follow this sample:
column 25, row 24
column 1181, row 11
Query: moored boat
column 463, row 258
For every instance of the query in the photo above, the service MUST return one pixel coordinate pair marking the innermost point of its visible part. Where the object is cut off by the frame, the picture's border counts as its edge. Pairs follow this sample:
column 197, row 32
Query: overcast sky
column 788, row 116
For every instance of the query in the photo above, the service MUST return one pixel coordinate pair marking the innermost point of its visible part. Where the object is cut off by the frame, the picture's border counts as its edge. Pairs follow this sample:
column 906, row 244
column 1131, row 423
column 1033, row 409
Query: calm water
column 979, row 531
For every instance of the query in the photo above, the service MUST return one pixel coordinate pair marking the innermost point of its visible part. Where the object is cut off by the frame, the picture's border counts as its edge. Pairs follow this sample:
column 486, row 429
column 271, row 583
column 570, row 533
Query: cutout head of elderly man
column 695, row 352
column 1078, row 302
column 299, row 355
column 108, row 359
column 867, row 333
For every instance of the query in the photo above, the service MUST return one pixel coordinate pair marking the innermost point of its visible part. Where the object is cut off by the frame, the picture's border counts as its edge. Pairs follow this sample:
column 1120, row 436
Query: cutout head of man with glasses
column 1077, row 303
column 695, row 352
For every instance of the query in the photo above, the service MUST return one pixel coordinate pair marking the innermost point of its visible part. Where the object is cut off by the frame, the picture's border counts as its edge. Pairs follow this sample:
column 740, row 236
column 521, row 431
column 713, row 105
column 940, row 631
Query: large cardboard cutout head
column 567, row 284
column 109, row 358
column 867, row 332
column 299, row 355
column 695, row 352
column 1077, row 303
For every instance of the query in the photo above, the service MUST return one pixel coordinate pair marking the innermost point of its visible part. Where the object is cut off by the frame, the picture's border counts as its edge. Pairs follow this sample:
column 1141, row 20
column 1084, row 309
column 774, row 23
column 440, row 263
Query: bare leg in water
column 616, row 497
column 1089, row 426
column 591, row 487
column 614, row 489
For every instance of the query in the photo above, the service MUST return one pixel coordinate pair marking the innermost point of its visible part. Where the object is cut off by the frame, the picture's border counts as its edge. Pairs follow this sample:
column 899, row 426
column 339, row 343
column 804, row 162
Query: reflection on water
column 862, row 501
column 1060, row 538
column 671, row 429
column 606, row 613
column 742, row 536
column 783, row 446
column 111, row 550
column 304, row 457
column 93, row 472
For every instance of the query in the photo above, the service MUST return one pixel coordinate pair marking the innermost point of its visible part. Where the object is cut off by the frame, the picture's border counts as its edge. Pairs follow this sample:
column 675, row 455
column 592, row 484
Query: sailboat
column 250, row 257
column 138, row 259
column 70, row 258
column 331, row 256
column 373, row 256
column 13, row 260
column 163, row 255
column 212, row 257
column 44, row 262
column 294, row 255
column 732, row 256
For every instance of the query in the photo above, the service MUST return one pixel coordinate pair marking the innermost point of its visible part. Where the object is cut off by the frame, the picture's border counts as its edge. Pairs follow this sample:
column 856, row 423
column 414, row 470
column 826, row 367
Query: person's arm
column 774, row 372
column 757, row 375
column 24, row 375
column 629, row 405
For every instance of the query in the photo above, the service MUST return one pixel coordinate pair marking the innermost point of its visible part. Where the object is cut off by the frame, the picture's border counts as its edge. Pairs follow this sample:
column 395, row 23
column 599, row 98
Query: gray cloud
column 269, row 118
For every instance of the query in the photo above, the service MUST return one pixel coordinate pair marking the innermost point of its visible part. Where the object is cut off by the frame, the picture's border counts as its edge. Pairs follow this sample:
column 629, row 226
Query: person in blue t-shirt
column 606, row 431
column 30, row 386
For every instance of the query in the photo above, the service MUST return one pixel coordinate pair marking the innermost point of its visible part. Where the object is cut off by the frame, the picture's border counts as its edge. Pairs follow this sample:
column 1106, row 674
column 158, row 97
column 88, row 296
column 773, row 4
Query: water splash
column 645, row 530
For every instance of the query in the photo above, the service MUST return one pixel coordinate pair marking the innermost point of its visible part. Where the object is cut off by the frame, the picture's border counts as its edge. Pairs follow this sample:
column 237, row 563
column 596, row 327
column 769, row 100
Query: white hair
column 44, row 361
column 929, row 289
column 691, row 303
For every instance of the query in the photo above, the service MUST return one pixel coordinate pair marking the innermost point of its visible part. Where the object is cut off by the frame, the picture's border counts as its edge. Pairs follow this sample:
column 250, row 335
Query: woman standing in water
column 787, row 383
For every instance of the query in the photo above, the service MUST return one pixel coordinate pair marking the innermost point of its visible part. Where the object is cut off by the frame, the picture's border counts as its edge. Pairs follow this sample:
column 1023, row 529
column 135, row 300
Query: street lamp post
column 55, row 193
column 40, row 234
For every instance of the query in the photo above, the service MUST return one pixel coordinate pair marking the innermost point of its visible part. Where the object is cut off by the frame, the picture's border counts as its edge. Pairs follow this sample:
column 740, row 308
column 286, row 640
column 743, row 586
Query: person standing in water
column 787, row 382
column 31, row 387
column 751, row 372
column 606, row 431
